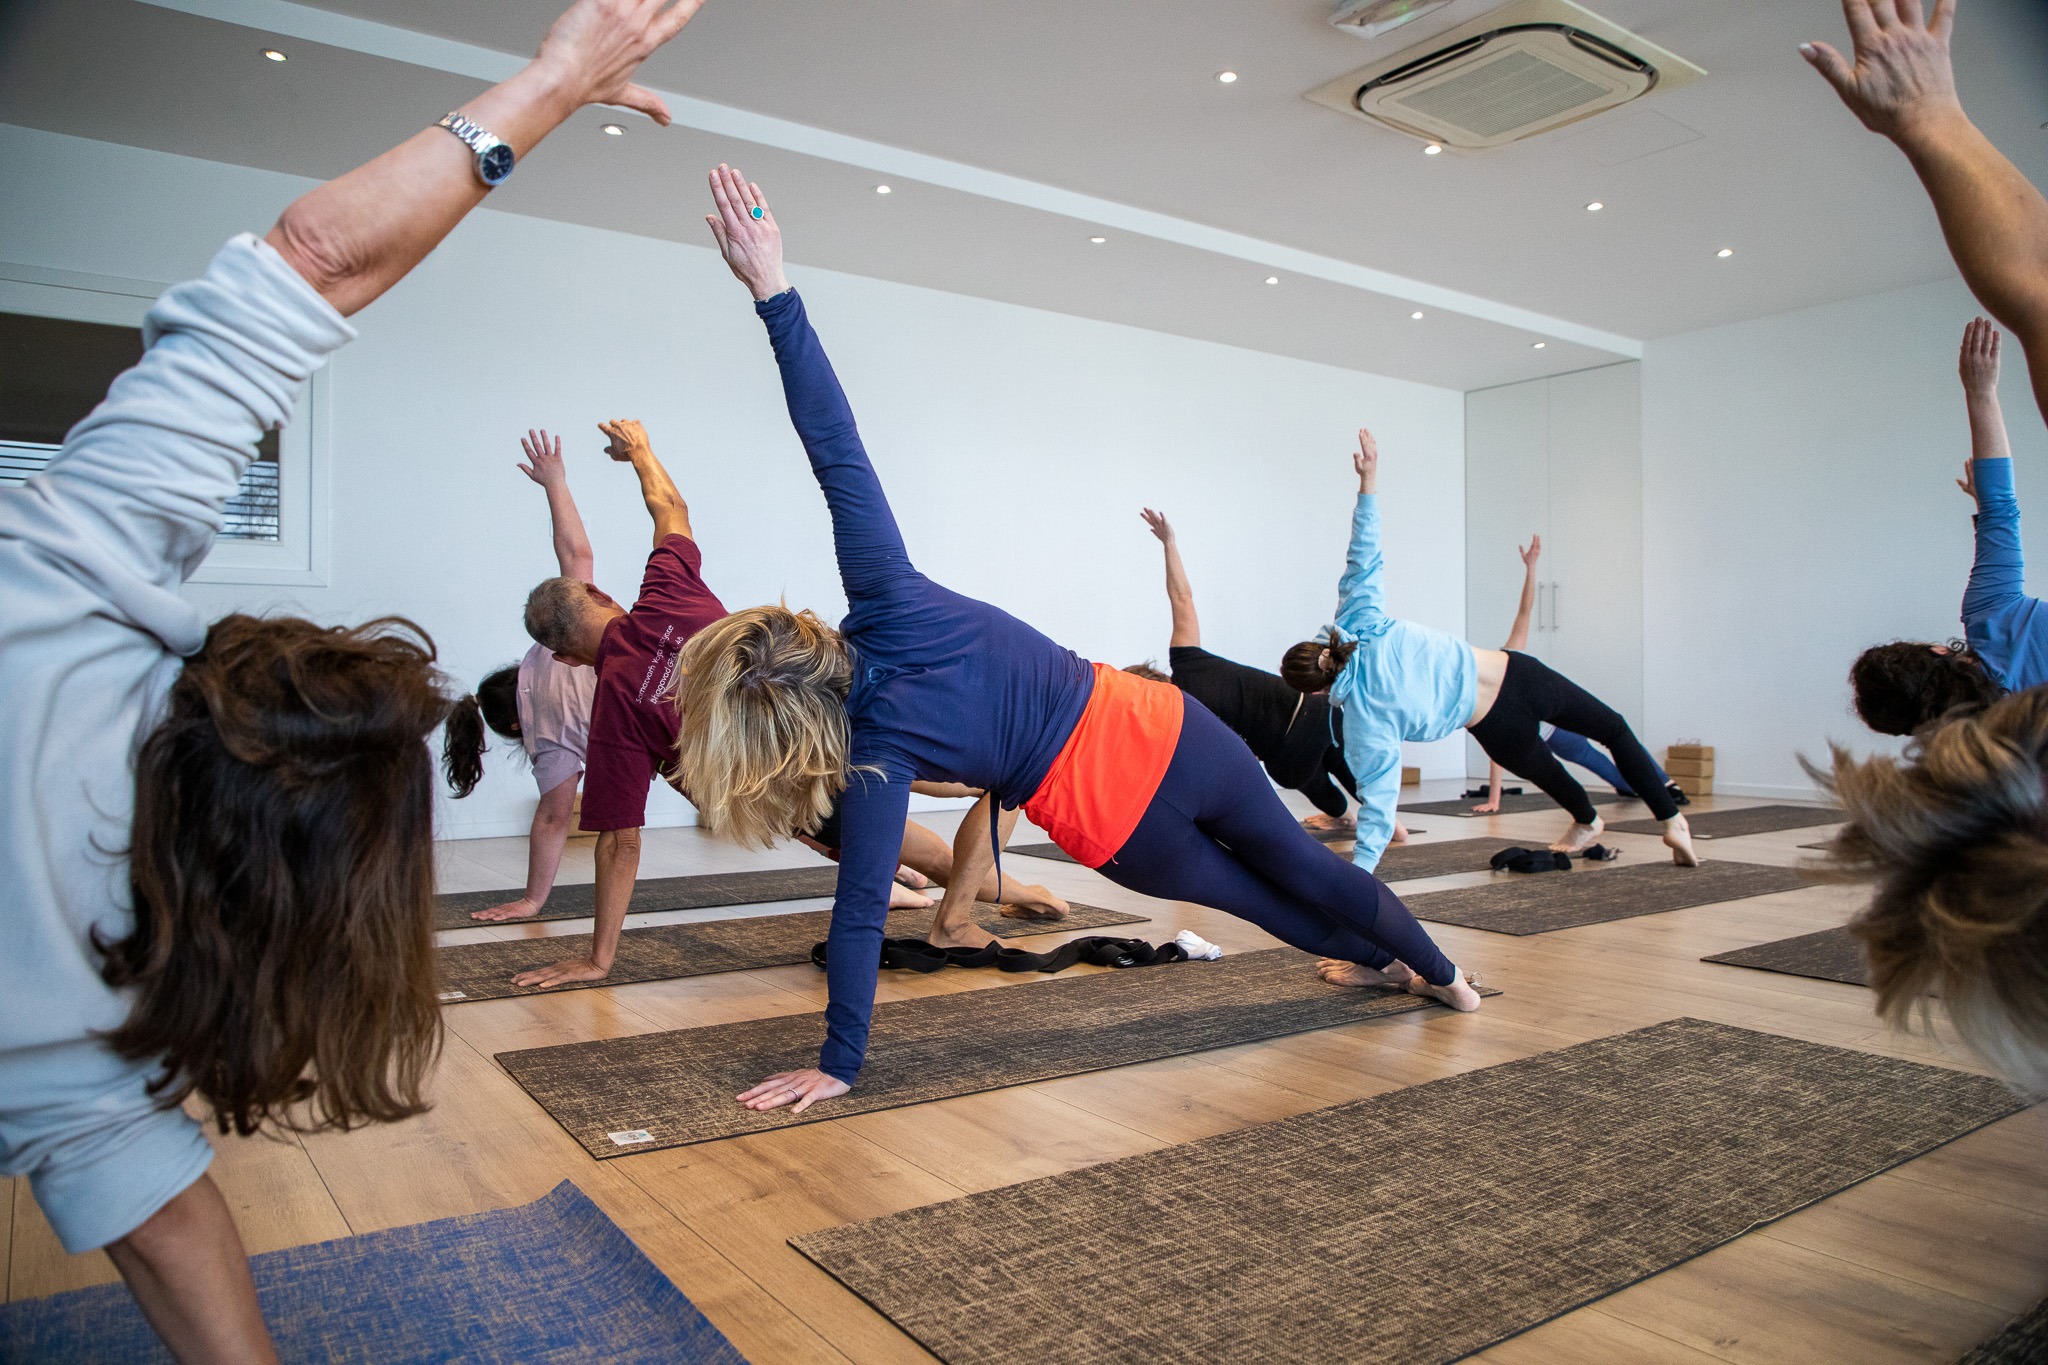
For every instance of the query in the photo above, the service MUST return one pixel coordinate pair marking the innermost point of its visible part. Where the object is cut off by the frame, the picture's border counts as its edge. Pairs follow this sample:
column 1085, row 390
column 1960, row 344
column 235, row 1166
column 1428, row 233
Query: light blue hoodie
column 1403, row 682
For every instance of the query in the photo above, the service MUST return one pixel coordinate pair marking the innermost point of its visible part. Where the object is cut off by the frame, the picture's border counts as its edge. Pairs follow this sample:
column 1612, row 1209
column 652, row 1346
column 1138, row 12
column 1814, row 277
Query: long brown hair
column 282, row 870
column 1957, row 837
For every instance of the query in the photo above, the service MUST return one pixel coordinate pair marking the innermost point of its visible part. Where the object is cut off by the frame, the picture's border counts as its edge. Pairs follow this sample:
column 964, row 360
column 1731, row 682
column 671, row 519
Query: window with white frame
column 64, row 337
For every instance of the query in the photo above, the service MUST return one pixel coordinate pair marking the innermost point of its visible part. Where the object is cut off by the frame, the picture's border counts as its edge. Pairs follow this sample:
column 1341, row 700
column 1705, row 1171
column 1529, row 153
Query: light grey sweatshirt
column 93, row 551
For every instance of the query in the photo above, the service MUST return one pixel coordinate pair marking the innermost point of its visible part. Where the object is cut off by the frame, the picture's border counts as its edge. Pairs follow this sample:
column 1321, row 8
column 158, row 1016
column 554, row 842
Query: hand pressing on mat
column 1322, row 821
column 523, row 908
column 563, row 972
column 800, row 1088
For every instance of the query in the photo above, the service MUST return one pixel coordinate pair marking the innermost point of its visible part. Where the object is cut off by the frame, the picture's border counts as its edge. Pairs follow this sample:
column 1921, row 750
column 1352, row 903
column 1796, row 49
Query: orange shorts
column 1110, row 768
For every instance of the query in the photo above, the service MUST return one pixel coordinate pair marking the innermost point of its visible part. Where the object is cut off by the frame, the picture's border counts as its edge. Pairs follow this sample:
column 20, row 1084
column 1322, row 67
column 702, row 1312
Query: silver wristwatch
column 494, row 159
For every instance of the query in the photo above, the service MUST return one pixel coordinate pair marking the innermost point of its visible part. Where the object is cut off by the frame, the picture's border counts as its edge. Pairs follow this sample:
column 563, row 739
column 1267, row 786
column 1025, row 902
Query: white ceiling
column 1117, row 99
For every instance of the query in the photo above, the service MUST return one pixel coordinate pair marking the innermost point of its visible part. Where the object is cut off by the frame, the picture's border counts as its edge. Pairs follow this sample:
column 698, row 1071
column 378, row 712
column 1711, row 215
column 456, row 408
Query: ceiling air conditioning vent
column 1523, row 69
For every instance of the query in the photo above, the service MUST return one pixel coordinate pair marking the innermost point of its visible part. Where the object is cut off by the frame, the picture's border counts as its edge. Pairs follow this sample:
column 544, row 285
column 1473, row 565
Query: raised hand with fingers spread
column 1901, row 70
column 1157, row 524
column 543, row 462
column 1531, row 552
column 1902, row 84
column 747, row 235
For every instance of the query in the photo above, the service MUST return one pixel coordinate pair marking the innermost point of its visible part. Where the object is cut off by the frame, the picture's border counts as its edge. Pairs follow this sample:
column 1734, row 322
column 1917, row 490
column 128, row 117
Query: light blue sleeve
column 1361, row 597
column 1374, row 755
column 1998, row 575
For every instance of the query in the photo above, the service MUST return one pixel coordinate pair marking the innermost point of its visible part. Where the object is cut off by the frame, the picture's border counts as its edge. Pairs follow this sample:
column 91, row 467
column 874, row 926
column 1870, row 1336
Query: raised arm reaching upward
column 1187, row 630
column 1361, row 596
column 1518, row 638
column 626, row 442
column 572, row 543
column 1902, row 84
column 355, row 237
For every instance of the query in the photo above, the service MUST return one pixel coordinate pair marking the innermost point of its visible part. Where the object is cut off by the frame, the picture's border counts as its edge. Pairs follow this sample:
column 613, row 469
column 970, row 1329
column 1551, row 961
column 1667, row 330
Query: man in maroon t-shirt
column 633, row 718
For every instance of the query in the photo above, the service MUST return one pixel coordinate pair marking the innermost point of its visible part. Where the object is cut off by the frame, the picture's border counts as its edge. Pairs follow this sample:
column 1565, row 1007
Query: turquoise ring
column 758, row 210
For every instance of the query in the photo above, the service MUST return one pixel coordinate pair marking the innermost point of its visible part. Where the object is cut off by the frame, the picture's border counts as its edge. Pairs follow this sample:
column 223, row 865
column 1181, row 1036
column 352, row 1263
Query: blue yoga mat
column 552, row 1280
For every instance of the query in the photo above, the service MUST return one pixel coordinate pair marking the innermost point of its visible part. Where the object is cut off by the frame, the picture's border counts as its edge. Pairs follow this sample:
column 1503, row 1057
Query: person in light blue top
column 1905, row 685
column 1396, row 681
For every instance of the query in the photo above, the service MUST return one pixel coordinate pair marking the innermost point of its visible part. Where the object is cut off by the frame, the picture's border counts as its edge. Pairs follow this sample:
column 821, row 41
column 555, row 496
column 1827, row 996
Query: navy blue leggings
column 1216, row 834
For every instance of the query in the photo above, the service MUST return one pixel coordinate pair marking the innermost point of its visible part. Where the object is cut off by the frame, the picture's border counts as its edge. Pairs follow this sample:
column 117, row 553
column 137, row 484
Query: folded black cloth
column 1096, row 949
column 1483, row 792
column 1599, row 853
column 1531, row 860
column 915, row 955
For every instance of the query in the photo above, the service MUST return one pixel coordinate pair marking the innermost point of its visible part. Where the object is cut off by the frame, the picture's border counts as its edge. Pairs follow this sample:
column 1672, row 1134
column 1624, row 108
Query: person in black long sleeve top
column 1299, row 739
column 919, row 682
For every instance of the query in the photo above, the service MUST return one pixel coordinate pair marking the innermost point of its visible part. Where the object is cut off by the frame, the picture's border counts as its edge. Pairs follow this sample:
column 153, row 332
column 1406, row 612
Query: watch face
column 495, row 164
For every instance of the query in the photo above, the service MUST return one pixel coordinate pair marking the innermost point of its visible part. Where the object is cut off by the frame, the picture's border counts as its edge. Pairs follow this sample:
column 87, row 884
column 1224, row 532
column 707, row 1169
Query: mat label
column 631, row 1136
column 446, row 996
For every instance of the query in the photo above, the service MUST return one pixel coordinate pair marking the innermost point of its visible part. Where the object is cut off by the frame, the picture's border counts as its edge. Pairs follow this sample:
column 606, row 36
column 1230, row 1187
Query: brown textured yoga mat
column 1830, row 955
column 484, row 971
column 1412, row 1227
column 1540, row 902
column 702, row 892
column 659, row 1090
column 1732, row 824
column 2023, row 1341
column 1509, row 805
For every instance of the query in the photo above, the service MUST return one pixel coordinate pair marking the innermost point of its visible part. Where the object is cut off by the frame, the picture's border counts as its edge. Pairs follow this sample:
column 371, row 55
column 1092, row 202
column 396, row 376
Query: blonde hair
column 1957, row 836
column 761, row 696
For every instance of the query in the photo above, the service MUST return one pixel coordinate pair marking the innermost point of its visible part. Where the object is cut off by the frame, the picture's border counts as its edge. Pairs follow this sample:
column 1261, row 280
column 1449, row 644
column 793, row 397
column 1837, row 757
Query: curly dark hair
column 1906, row 685
column 282, row 867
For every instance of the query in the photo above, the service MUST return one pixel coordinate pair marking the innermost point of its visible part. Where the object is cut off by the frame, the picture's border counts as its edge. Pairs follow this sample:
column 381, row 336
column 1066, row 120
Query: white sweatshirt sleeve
column 92, row 553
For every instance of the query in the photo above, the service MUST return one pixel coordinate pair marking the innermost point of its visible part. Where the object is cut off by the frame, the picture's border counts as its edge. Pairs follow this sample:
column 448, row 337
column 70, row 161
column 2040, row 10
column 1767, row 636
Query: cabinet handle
column 1553, row 606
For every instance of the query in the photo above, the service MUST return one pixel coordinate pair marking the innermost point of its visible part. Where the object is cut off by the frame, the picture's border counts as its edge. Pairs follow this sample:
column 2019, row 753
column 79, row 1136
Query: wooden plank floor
column 1915, row 1265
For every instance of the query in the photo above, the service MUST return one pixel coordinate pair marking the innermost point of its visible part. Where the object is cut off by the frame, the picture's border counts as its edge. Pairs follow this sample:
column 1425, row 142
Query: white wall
column 1017, row 445
column 1798, row 507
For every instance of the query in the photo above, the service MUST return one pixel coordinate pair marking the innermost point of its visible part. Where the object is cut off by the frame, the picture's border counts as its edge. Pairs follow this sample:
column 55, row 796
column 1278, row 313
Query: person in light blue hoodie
column 1907, row 685
column 1396, row 681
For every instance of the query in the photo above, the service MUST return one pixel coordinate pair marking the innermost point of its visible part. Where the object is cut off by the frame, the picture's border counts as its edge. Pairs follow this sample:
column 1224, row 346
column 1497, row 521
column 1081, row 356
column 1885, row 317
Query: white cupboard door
column 1593, row 554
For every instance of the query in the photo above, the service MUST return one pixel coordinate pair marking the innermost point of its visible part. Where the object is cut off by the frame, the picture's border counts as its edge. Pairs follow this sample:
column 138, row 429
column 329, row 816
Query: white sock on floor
column 1198, row 948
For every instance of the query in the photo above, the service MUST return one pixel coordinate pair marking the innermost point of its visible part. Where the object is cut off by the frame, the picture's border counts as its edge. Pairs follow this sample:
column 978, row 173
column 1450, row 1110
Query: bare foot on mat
column 1581, row 837
column 902, row 897
column 1338, row 972
column 1678, row 838
column 1459, row 995
column 1034, row 902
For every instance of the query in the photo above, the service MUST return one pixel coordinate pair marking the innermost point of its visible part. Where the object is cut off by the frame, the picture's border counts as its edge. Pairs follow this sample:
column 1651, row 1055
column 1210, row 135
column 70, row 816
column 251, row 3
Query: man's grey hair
column 553, row 612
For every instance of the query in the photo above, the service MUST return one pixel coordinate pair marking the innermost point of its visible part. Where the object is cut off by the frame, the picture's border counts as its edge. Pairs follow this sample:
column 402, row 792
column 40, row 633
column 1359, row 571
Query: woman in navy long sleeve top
column 945, row 688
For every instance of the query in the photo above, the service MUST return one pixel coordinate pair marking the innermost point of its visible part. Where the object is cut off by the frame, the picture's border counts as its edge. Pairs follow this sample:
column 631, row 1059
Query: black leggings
column 1216, row 834
column 1533, row 693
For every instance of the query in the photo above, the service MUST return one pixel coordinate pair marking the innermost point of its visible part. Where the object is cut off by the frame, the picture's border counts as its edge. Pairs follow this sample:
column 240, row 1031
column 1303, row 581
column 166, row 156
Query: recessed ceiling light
column 883, row 189
column 614, row 130
column 1595, row 206
column 1227, row 77
column 1416, row 316
column 274, row 54
column 1098, row 240
column 1539, row 345
column 1725, row 252
column 1432, row 150
column 1272, row 279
